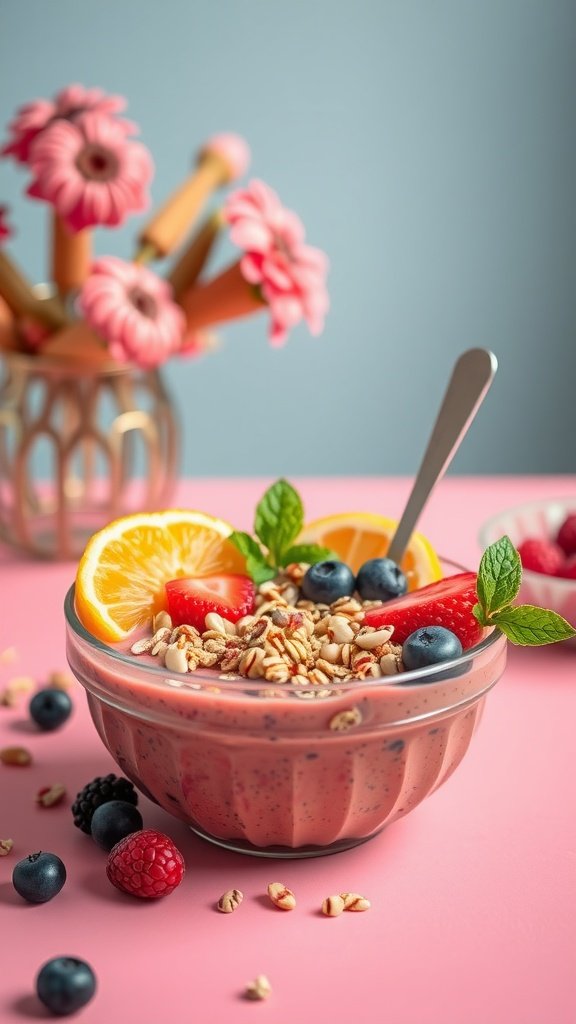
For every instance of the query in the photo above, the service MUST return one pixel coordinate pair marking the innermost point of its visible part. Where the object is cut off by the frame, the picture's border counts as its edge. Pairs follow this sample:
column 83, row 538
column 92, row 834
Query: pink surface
column 473, row 894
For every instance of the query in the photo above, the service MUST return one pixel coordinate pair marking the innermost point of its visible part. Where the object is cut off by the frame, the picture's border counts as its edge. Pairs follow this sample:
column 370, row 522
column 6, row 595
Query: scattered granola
column 260, row 988
column 281, row 896
column 5, row 846
column 333, row 906
column 15, row 756
column 59, row 680
column 8, row 656
column 15, row 689
column 230, row 901
column 49, row 796
column 353, row 901
column 288, row 641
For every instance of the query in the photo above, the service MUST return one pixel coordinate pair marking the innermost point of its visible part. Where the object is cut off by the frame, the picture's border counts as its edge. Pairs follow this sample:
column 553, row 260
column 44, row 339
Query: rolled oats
column 369, row 638
column 338, row 630
column 281, row 896
column 251, row 663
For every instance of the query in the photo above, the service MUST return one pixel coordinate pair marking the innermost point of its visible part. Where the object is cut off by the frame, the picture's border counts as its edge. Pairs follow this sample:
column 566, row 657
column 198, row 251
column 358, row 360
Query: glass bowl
column 283, row 772
column 537, row 519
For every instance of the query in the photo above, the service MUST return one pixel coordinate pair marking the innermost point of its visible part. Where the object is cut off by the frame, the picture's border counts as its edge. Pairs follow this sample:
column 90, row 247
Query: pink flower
column 89, row 171
column 68, row 104
column 291, row 275
column 132, row 309
column 5, row 229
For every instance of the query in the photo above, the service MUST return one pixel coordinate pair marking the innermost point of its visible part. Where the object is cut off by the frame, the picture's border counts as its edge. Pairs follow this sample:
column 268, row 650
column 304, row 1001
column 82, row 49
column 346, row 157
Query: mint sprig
column 278, row 521
column 498, row 583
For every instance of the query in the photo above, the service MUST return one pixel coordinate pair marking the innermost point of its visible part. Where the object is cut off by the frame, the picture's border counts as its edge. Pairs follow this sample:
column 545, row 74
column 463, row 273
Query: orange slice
column 358, row 536
column 122, row 573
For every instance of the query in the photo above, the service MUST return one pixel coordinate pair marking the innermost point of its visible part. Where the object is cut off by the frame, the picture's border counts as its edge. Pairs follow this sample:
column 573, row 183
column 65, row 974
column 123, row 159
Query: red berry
column 145, row 864
column 447, row 603
column 190, row 599
column 567, row 535
column 568, row 570
column 540, row 555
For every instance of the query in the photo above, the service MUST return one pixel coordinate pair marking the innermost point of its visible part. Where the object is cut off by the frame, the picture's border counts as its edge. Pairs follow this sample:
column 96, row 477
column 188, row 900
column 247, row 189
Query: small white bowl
column 537, row 519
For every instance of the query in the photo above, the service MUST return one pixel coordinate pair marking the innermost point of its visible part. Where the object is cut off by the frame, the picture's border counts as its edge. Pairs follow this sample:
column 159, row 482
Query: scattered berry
column 191, row 600
column 430, row 645
column 146, row 864
column 566, row 538
column 50, row 708
column 540, row 555
column 100, row 791
column 380, row 579
column 113, row 821
column 65, row 984
column 39, row 877
column 568, row 570
column 448, row 603
column 325, row 582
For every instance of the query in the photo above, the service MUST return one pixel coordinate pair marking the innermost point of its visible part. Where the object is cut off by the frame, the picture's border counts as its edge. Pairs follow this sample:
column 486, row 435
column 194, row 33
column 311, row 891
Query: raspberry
column 98, row 792
column 568, row 570
column 540, row 555
column 146, row 864
column 567, row 535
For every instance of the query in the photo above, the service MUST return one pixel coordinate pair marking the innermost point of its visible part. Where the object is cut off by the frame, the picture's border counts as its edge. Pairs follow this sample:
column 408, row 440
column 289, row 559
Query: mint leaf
column 499, row 576
column 256, row 565
column 307, row 553
column 279, row 518
column 478, row 613
column 530, row 626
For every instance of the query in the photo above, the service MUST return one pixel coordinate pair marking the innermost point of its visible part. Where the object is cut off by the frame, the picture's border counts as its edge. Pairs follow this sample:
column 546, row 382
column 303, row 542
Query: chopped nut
column 346, row 720
column 230, row 901
column 369, row 638
column 5, row 846
column 353, row 901
column 161, row 620
column 175, row 658
column 219, row 624
column 389, row 664
column 60, row 680
column 15, row 755
column 251, row 663
column 16, row 688
column 332, row 906
column 281, row 896
column 49, row 796
column 260, row 988
column 339, row 630
column 8, row 656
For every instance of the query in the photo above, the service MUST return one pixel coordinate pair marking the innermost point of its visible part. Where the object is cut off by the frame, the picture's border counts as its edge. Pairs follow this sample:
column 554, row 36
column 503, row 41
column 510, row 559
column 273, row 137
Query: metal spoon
column 471, row 377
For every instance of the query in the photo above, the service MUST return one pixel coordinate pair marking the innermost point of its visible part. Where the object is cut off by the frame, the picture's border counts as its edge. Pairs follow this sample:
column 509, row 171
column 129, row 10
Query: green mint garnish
column 278, row 521
column 498, row 583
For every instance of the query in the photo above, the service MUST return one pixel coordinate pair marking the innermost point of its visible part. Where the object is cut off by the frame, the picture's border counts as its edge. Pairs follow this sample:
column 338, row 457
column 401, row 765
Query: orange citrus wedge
column 358, row 536
column 122, row 573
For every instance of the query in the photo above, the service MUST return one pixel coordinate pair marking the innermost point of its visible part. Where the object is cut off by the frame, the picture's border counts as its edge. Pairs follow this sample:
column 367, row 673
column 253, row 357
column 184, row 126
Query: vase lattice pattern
column 79, row 448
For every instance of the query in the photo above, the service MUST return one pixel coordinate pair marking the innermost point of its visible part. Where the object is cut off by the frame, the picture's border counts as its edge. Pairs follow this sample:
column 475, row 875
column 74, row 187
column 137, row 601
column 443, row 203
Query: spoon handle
column 471, row 377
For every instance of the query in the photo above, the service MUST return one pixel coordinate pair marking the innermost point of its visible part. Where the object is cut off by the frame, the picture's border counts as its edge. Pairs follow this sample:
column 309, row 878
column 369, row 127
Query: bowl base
column 282, row 852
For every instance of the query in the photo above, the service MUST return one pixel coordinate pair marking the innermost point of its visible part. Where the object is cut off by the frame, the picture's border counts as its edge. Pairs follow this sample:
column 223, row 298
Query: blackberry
column 100, row 791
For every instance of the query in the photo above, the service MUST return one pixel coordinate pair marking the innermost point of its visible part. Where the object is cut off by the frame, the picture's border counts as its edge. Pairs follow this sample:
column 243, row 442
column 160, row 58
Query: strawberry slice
column 190, row 599
column 447, row 603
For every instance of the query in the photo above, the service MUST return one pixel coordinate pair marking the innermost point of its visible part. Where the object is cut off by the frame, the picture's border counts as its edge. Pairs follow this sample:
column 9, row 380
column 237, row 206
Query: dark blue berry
column 65, row 984
column 380, row 579
column 113, row 821
column 50, row 708
column 325, row 582
column 39, row 877
column 430, row 645
column 100, row 791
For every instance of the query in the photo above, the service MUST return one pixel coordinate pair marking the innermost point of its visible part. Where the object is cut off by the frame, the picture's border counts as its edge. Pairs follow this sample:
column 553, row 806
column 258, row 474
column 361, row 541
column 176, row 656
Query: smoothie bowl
column 291, row 692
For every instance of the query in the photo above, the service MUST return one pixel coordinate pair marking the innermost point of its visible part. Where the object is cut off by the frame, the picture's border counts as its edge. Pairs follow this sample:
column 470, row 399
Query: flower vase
column 79, row 446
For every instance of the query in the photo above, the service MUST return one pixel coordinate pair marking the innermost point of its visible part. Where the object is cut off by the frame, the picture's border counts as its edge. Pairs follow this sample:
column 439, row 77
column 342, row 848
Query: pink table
column 473, row 895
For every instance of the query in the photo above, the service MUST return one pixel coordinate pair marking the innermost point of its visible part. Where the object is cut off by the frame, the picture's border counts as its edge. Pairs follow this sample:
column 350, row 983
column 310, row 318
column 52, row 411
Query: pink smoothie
column 271, row 770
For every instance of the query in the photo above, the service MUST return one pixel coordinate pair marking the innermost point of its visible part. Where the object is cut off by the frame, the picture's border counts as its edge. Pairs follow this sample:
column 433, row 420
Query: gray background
column 430, row 148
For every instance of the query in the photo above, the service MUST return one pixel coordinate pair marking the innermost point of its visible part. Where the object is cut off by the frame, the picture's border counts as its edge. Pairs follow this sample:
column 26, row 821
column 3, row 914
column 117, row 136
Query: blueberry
column 380, row 579
column 50, row 708
column 65, row 984
column 113, row 821
column 325, row 582
column 39, row 877
column 430, row 645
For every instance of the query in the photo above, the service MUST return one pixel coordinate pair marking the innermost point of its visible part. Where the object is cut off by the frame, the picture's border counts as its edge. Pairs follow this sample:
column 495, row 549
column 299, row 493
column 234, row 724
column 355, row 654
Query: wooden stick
column 225, row 297
column 19, row 296
column 188, row 267
column 71, row 256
